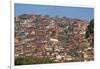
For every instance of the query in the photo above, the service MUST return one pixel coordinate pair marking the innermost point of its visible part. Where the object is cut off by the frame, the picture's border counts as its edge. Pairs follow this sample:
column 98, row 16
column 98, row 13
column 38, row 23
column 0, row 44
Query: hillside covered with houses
column 51, row 40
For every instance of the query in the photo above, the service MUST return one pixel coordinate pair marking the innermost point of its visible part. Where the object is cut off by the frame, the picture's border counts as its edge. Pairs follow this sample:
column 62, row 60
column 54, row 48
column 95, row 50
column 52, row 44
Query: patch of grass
column 32, row 60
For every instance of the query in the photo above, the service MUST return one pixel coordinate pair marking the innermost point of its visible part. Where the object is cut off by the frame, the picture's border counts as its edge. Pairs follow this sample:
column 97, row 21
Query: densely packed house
column 60, row 38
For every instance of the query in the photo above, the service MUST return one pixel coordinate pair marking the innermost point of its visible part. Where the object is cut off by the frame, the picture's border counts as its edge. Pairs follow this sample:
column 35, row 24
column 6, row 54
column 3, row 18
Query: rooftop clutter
column 60, row 39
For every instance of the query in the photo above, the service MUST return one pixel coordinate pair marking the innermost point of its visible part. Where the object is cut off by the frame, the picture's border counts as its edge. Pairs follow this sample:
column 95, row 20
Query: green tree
column 90, row 29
